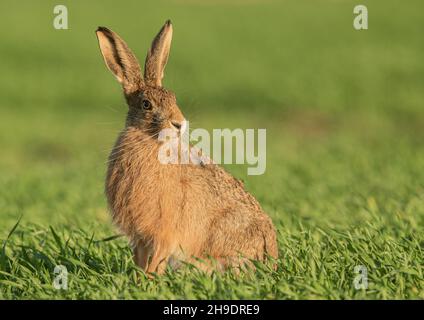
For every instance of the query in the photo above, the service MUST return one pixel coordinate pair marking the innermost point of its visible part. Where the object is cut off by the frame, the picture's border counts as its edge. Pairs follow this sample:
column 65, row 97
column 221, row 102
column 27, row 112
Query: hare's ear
column 158, row 56
column 119, row 59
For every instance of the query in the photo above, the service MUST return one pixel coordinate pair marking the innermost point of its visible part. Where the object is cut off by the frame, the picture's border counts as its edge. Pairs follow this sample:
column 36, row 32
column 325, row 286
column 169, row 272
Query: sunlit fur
column 175, row 212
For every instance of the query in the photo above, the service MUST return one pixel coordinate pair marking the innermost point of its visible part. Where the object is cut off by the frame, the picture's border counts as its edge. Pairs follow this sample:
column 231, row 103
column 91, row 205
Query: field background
column 344, row 113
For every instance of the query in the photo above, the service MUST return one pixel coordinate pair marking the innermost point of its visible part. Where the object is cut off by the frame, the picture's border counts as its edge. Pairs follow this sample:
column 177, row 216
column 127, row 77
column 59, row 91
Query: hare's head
column 151, row 107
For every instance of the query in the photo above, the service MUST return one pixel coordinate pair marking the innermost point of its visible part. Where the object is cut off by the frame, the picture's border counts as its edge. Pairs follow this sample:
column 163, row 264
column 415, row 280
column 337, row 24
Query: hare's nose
column 176, row 124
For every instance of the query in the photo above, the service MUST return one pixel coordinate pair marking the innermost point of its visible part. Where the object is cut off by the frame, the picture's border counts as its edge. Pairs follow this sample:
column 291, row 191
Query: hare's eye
column 147, row 105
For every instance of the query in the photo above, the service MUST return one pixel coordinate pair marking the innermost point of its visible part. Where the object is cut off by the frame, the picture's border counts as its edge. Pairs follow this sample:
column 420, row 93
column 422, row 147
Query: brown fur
column 173, row 212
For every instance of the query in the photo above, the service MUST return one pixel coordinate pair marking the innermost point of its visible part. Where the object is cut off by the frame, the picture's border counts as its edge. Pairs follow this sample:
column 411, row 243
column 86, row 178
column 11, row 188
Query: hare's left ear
column 158, row 56
column 119, row 59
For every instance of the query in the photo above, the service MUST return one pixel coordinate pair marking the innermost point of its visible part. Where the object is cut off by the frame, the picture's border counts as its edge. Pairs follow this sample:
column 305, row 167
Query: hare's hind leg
column 240, row 238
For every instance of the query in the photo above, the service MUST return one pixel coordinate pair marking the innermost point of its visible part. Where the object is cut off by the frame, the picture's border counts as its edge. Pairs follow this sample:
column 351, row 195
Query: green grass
column 344, row 115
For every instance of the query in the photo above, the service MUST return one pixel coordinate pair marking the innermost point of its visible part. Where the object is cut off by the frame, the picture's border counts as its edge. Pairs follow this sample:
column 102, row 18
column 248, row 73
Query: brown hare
column 178, row 212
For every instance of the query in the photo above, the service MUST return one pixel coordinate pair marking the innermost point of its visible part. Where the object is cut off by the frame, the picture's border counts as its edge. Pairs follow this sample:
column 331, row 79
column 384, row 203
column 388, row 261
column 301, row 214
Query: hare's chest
column 135, row 188
column 129, row 185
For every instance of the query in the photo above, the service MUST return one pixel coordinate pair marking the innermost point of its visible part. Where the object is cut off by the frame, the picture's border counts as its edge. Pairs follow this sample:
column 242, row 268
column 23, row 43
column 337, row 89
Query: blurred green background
column 343, row 109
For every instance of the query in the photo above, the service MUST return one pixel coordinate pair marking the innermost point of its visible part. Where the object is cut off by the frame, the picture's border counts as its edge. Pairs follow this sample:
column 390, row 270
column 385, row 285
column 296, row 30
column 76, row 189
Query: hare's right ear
column 119, row 59
column 157, row 56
